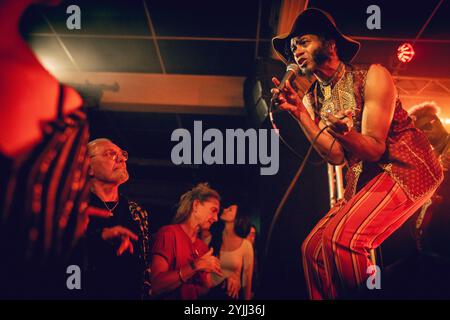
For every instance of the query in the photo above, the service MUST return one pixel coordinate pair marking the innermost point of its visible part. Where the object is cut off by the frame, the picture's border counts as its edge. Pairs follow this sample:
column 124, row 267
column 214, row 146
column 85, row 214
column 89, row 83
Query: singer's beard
column 319, row 56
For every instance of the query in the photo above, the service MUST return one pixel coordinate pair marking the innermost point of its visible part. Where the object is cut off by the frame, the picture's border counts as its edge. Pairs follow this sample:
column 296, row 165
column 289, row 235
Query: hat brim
column 315, row 21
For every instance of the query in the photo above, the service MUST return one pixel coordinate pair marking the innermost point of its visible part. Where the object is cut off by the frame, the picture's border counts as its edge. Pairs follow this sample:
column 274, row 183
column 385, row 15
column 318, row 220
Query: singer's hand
column 287, row 98
column 341, row 123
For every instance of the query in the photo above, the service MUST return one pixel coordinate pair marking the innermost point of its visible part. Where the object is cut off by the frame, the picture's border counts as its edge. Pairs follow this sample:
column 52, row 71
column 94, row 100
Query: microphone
column 291, row 72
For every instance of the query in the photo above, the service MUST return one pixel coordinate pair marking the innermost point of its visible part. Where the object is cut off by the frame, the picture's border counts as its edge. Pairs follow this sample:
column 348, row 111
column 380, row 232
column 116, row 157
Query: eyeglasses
column 113, row 154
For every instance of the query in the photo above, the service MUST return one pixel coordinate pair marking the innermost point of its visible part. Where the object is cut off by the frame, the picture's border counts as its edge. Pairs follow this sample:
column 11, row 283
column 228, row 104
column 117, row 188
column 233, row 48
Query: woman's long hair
column 241, row 228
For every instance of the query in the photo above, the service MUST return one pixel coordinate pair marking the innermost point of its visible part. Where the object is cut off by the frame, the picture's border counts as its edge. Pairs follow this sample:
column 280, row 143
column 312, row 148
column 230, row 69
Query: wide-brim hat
column 318, row 22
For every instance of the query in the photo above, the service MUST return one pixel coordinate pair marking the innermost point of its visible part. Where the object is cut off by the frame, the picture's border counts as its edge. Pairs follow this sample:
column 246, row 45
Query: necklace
column 111, row 209
column 336, row 73
column 325, row 86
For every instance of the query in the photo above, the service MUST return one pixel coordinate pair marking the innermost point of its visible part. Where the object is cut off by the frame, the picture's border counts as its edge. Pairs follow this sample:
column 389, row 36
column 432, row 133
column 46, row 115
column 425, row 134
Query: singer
column 391, row 168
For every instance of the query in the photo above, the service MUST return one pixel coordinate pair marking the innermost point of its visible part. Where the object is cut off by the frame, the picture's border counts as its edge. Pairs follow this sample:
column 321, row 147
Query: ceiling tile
column 50, row 53
column 399, row 19
column 33, row 21
column 113, row 55
column 439, row 26
column 229, row 19
column 208, row 57
column 113, row 17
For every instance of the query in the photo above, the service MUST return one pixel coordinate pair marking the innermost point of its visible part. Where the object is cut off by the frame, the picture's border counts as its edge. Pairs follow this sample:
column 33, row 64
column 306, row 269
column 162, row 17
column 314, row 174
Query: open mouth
column 301, row 62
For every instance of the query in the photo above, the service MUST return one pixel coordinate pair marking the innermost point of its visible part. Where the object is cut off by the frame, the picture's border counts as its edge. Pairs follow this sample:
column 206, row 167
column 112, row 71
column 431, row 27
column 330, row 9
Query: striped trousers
column 336, row 254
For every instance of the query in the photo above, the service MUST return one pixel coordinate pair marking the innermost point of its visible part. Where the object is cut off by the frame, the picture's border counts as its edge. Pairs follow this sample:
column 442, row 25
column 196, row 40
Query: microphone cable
column 297, row 174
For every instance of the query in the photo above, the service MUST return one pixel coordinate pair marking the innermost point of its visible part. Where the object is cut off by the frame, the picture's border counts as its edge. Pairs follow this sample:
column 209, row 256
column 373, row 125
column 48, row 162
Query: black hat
column 318, row 22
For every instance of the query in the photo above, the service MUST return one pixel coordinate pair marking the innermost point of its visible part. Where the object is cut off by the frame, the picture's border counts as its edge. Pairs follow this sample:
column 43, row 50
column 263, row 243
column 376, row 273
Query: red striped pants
column 336, row 254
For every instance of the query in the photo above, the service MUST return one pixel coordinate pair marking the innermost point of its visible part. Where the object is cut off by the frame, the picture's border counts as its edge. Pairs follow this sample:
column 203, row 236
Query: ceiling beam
column 221, row 39
column 390, row 39
column 168, row 93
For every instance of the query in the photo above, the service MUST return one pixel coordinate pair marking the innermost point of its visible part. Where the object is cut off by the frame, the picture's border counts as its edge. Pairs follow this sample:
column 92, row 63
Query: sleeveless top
column 408, row 159
column 43, row 196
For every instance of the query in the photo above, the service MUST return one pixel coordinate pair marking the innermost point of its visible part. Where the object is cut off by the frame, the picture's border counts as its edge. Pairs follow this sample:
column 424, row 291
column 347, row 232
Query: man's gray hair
column 92, row 144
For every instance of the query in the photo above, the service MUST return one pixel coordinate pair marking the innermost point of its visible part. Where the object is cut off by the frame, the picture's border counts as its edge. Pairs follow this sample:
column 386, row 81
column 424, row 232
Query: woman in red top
column 181, row 263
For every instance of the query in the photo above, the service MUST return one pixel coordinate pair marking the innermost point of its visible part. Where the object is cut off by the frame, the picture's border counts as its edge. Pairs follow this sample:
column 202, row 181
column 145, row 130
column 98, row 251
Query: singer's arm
column 326, row 145
column 379, row 105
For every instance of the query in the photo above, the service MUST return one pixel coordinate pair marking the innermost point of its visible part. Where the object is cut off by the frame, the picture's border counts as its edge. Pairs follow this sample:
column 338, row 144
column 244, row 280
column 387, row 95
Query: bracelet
column 181, row 278
column 193, row 266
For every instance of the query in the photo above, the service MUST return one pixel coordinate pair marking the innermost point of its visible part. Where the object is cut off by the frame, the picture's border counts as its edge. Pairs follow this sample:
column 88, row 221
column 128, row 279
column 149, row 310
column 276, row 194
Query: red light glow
column 405, row 52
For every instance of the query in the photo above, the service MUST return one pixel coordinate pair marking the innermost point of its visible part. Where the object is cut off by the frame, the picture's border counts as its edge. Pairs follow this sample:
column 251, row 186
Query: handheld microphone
column 291, row 72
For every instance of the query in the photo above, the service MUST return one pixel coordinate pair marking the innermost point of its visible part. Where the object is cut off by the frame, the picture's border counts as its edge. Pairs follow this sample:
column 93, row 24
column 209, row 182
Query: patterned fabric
column 444, row 157
column 336, row 252
column 408, row 158
column 140, row 215
column 43, row 198
column 46, row 193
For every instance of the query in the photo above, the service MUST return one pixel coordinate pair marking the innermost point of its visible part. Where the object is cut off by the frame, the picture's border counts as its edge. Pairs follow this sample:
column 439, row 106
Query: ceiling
column 401, row 21
column 207, row 46
column 221, row 38
column 181, row 37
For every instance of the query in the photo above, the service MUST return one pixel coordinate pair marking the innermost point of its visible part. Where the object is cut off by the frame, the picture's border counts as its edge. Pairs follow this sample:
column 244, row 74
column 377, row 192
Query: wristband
column 181, row 278
column 193, row 266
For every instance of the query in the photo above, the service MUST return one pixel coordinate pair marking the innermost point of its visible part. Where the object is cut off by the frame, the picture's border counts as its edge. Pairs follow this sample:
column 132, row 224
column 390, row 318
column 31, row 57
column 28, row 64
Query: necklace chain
column 337, row 72
column 111, row 209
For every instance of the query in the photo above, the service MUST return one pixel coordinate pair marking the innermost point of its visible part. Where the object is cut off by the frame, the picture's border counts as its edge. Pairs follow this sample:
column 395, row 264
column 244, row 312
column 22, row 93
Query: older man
column 117, row 243
column 353, row 115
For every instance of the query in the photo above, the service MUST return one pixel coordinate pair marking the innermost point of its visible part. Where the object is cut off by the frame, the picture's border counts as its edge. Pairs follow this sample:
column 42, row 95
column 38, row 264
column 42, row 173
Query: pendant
column 327, row 92
column 328, row 108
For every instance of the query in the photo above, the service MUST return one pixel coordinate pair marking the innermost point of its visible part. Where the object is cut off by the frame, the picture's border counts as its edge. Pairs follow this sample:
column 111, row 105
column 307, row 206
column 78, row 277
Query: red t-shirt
column 174, row 245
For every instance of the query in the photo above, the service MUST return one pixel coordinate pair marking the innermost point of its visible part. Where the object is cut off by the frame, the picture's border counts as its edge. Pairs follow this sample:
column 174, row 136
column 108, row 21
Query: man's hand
column 287, row 99
column 83, row 217
column 125, row 245
column 233, row 287
column 124, row 234
column 209, row 263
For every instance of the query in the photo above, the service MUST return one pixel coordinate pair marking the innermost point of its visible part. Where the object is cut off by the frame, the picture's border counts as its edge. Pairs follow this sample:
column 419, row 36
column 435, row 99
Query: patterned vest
column 408, row 158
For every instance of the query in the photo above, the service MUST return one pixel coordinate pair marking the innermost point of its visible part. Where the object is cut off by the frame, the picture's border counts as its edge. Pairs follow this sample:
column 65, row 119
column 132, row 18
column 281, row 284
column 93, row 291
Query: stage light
column 445, row 120
column 405, row 52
